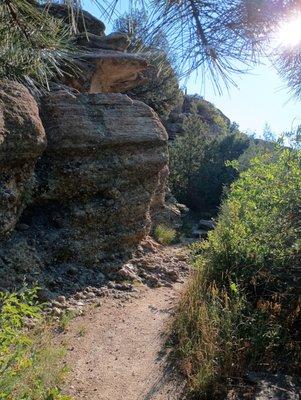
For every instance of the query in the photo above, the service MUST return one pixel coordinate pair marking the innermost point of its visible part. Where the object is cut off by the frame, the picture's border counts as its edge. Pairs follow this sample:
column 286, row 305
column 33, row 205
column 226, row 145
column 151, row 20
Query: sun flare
column 289, row 33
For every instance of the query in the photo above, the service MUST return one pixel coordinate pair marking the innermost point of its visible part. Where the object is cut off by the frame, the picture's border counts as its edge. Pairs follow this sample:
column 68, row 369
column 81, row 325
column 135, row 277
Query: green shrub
column 164, row 234
column 30, row 367
column 198, row 170
column 242, row 307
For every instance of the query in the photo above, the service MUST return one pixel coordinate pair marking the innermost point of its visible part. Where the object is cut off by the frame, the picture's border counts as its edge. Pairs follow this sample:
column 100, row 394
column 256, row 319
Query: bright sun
column 289, row 33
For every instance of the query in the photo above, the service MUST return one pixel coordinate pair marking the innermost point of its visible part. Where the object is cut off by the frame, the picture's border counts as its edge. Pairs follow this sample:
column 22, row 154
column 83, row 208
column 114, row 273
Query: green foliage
column 65, row 320
column 242, row 307
column 198, row 166
column 161, row 90
column 187, row 155
column 256, row 148
column 164, row 234
column 29, row 366
column 33, row 45
column 208, row 113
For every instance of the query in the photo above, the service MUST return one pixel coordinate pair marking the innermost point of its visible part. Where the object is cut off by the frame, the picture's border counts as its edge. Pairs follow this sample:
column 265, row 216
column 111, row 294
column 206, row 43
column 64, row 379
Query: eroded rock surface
column 95, row 182
column 103, row 159
column 22, row 140
column 103, row 65
column 108, row 71
column 165, row 209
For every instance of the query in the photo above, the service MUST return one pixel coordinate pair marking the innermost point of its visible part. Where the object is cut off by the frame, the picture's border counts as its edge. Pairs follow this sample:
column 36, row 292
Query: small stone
column 128, row 272
column 57, row 312
column 102, row 293
column 56, row 304
column 182, row 257
column 124, row 286
column 61, row 299
column 44, row 295
column 78, row 296
column 153, row 281
column 173, row 275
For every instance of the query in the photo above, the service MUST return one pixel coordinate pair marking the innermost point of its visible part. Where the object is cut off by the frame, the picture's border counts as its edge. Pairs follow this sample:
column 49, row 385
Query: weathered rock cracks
column 22, row 140
column 84, row 205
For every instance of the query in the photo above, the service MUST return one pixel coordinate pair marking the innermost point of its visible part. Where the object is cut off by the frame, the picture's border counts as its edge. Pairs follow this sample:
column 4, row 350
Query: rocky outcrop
column 78, row 21
column 94, row 185
column 102, row 162
column 164, row 207
column 206, row 111
column 22, row 140
column 82, row 204
column 107, row 71
column 102, row 65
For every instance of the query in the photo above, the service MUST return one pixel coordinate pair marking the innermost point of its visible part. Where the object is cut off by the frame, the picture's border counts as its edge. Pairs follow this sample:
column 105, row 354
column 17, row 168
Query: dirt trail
column 117, row 351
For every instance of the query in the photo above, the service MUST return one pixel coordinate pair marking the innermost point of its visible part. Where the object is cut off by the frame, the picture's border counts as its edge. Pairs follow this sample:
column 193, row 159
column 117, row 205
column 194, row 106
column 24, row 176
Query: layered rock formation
column 102, row 163
column 84, row 201
column 93, row 184
column 103, row 65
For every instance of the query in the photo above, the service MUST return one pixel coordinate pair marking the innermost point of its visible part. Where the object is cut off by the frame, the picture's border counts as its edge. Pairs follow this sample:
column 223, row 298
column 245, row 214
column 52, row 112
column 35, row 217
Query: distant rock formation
column 206, row 111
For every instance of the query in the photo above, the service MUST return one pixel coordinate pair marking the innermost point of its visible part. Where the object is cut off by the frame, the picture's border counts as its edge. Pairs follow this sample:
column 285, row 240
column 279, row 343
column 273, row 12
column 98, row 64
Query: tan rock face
column 22, row 140
column 108, row 71
column 95, row 182
column 103, row 65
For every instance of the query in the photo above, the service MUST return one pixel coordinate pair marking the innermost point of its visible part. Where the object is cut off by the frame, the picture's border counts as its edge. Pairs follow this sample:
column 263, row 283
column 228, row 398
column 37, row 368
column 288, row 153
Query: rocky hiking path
column 116, row 350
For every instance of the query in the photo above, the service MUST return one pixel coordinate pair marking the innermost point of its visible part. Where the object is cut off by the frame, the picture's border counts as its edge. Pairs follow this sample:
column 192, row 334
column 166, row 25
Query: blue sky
column 260, row 98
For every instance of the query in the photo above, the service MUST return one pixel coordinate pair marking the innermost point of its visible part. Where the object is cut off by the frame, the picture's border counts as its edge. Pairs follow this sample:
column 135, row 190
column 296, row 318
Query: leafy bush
column 29, row 366
column 164, row 234
column 242, row 307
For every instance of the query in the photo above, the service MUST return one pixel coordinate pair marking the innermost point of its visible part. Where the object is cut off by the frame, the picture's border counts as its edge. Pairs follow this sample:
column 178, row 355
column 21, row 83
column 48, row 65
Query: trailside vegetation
column 30, row 366
column 241, row 310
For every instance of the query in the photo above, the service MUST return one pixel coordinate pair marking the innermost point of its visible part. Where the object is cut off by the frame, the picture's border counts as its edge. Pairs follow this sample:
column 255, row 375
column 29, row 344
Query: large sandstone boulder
column 22, row 140
column 95, row 182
